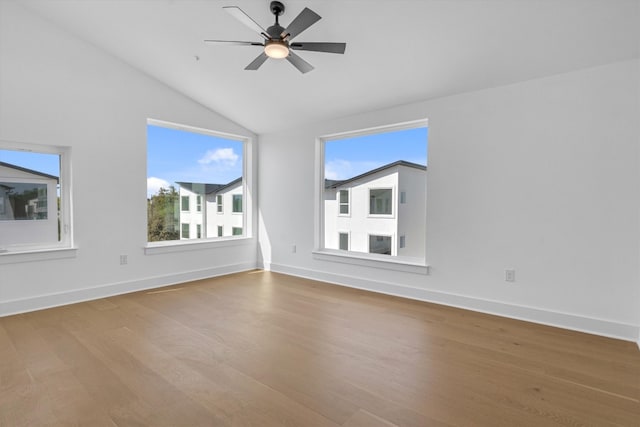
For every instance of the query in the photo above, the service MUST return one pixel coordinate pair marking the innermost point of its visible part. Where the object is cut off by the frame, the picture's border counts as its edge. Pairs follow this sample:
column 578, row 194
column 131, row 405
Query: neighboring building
column 381, row 211
column 28, row 206
column 211, row 210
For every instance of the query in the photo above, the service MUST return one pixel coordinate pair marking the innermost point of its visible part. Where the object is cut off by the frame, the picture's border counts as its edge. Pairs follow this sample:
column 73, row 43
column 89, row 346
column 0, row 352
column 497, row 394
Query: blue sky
column 349, row 157
column 176, row 155
column 45, row 163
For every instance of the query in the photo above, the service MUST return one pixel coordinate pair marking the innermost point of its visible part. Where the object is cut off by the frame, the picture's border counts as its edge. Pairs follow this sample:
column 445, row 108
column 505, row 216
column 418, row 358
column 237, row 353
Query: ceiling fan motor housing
column 277, row 8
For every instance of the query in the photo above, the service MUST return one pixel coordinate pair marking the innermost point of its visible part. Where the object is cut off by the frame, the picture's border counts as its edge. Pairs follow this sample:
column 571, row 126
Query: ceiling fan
column 277, row 41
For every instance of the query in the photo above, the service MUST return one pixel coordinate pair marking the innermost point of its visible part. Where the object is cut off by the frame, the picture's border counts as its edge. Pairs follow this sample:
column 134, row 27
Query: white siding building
column 211, row 210
column 381, row 211
column 28, row 206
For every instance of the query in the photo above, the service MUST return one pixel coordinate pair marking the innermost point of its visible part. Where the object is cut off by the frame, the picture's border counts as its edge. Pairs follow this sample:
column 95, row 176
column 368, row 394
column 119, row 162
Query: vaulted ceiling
column 397, row 51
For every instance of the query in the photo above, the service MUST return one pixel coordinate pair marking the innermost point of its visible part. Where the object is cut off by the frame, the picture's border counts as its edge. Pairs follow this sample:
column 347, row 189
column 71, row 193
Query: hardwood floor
column 264, row 349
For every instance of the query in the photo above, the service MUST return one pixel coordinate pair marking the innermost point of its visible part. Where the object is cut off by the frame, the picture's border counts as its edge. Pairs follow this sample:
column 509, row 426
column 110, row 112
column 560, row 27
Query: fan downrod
column 277, row 8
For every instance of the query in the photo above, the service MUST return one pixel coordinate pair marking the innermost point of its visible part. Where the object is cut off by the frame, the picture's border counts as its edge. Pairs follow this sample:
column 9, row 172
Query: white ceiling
column 397, row 51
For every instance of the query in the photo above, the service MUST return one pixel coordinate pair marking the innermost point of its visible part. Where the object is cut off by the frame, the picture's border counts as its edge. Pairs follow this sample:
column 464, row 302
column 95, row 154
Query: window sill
column 12, row 257
column 407, row 265
column 155, row 248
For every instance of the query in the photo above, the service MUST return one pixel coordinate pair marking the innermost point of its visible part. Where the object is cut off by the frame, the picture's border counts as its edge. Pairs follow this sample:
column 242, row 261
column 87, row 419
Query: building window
column 236, row 231
column 34, row 197
column 185, row 231
column 187, row 164
column 380, row 201
column 403, row 241
column 219, row 207
column 237, row 203
column 220, row 229
column 343, row 241
column 361, row 206
column 184, row 203
column 380, row 244
column 343, row 202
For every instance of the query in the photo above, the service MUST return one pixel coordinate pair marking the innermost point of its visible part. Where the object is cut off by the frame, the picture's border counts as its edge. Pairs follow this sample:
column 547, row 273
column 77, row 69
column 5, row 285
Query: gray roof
column 197, row 187
column 330, row 183
column 31, row 171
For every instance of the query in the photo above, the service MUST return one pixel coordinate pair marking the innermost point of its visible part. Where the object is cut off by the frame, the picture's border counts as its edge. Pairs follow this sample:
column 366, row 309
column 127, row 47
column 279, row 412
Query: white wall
column 58, row 90
column 540, row 176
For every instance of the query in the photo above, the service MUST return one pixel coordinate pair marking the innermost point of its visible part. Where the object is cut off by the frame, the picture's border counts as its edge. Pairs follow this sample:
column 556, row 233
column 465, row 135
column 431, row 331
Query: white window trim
column 348, row 233
column 392, row 237
column 220, row 206
column 65, row 247
column 347, row 215
column 249, row 187
column 393, row 197
column 393, row 263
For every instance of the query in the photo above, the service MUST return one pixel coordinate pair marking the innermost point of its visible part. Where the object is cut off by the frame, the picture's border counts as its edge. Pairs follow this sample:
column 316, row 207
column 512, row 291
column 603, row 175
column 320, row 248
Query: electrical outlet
column 123, row 260
column 510, row 275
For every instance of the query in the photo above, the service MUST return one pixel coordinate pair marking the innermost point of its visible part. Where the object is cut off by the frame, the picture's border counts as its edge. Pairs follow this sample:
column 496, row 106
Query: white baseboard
column 40, row 302
column 574, row 322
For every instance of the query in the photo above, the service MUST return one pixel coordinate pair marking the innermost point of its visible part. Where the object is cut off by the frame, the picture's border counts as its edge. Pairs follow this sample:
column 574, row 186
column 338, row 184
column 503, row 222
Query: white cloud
column 154, row 184
column 220, row 156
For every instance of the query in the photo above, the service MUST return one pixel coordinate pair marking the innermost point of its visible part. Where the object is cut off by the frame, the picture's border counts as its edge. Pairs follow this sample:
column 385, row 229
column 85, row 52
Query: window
column 380, row 201
column 380, row 244
column 34, row 197
column 371, row 188
column 236, row 231
column 184, row 203
column 220, row 229
column 190, row 173
column 343, row 241
column 237, row 203
column 343, row 202
column 219, row 204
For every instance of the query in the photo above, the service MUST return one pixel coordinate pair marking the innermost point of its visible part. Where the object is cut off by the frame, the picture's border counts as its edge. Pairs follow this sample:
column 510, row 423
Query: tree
column 163, row 215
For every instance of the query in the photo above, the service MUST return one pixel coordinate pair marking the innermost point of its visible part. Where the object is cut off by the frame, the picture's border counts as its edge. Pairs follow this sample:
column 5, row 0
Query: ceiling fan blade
column 304, row 20
column 256, row 63
column 320, row 47
column 239, row 14
column 235, row 42
column 302, row 65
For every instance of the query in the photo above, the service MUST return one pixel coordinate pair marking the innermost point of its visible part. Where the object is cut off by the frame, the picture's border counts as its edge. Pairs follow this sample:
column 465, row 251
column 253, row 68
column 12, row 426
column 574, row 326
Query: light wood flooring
column 264, row 349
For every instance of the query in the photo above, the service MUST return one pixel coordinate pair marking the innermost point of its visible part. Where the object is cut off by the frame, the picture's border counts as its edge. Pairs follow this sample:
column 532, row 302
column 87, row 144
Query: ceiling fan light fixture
column 276, row 49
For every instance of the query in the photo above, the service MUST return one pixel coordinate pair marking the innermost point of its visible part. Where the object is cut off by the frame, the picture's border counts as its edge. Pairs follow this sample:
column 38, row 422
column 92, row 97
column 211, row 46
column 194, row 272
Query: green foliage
column 163, row 216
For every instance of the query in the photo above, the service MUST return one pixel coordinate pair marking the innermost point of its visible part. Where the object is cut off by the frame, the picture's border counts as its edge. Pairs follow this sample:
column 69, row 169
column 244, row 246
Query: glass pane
column 185, row 166
column 380, row 201
column 380, row 245
column 361, row 175
column 29, row 195
column 344, row 241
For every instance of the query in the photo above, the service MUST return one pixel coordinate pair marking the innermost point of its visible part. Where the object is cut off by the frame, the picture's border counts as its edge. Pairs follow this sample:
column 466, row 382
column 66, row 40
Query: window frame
column 219, row 204
column 391, row 203
column 182, row 203
column 65, row 247
column 249, row 189
column 417, row 265
column 341, row 203
column 234, row 197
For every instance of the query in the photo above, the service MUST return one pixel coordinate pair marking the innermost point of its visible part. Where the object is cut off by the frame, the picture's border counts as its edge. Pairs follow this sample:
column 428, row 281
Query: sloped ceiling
column 397, row 51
